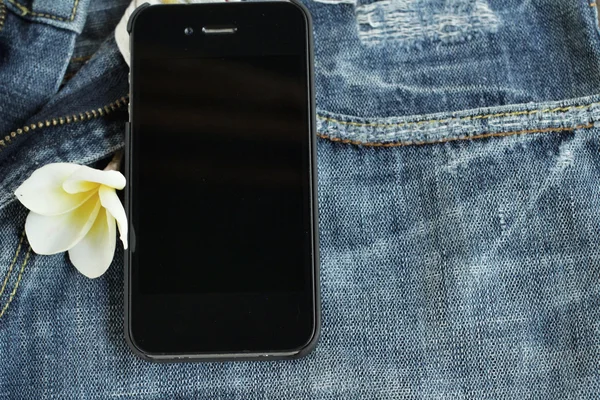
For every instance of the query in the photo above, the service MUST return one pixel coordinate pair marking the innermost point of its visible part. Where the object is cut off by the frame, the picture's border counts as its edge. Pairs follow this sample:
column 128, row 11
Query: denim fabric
column 27, row 82
column 95, row 31
column 407, row 57
column 65, row 14
column 459, row 206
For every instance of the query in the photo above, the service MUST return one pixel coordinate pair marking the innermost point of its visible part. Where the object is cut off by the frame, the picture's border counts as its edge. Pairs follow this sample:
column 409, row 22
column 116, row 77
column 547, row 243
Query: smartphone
column 221, row 194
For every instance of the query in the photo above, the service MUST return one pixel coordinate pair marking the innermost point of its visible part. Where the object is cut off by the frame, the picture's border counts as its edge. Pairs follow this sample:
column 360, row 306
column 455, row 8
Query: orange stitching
column 74, row 10
column 26, row 11
column 12, row 264
column 485, row 116
column 78, row 59
column 453, row 139
column 14, row 291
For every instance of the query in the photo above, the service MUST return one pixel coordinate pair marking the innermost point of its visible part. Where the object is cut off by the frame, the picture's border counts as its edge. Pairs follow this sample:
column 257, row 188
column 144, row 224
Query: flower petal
column 94, row 253
column 85, row 176
column 58, row 233
column 110, row 200
column 75, row 186
column 43, row 193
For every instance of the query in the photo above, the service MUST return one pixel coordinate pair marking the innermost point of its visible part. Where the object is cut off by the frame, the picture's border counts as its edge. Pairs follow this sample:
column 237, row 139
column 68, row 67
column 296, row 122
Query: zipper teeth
column 2, row 14
column 69, row 119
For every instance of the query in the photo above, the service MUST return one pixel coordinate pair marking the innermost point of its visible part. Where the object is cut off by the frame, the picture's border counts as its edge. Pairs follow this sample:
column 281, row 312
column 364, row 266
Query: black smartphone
column 223, row 262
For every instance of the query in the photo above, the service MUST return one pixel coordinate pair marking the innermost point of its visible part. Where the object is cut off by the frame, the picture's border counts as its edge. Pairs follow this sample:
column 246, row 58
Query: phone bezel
column 308, row 347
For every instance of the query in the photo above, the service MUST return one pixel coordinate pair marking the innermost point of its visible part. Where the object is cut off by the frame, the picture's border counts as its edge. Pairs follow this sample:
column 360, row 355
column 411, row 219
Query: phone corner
column 305, row 11
column 310, row 346
column 312, row 343
column 133, row 347
column 134, row 15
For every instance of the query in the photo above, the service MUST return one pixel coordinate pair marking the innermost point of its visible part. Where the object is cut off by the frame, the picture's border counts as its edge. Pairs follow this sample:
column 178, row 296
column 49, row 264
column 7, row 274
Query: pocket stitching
column 467, row 118
column 16, row 287
column 12, row 264
column 454, row 139
column 26, row 11
column 576, row 114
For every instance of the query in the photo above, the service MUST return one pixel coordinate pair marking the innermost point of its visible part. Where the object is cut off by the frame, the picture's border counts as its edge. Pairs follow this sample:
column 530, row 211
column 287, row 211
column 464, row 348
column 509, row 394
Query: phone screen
column 221, row 199
column 221, row 155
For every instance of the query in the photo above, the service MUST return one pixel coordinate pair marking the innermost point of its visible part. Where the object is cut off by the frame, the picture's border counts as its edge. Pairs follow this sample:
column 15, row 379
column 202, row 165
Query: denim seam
column 452, row 139
column 468, row 118
column 555, row 117
column 593, row 4
column 2, row 14
column 26, row 11
column 12, row 264
column 17, row 283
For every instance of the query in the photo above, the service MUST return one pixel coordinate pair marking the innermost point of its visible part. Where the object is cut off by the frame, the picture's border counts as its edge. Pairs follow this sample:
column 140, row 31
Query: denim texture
column 451, row 55
column 458, row 197
column 64, row 14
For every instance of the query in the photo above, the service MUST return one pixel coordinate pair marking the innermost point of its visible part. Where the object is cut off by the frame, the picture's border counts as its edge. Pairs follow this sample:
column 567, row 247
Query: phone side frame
column 312, row 343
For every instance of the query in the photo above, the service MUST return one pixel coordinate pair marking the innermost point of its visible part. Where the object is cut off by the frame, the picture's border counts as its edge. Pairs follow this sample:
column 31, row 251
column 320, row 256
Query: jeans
column 459, row 206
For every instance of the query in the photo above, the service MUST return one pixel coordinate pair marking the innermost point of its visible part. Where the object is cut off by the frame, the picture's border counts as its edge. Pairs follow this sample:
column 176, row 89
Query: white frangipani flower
column 75, row 208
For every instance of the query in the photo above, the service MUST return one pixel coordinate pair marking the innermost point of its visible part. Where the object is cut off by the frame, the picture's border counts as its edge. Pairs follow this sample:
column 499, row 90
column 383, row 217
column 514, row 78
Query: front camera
column 188, row 31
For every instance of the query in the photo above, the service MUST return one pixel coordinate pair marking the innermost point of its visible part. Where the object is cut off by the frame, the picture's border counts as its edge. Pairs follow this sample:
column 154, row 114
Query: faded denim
column 459, row 207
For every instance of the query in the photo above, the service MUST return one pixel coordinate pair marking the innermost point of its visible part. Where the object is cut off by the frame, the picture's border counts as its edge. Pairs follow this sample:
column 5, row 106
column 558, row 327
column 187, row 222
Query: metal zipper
column 81, row 117
column 2, row 14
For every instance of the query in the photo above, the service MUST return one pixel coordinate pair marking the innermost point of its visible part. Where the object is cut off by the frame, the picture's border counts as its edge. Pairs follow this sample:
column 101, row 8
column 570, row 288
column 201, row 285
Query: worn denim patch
column 414, row 23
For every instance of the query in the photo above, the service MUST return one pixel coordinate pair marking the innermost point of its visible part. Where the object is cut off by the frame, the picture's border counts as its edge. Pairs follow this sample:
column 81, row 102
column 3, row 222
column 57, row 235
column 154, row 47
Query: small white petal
column 94, row 253
column 43, row 193
column 112, row 203
column 86, row 176
column 58, row 233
